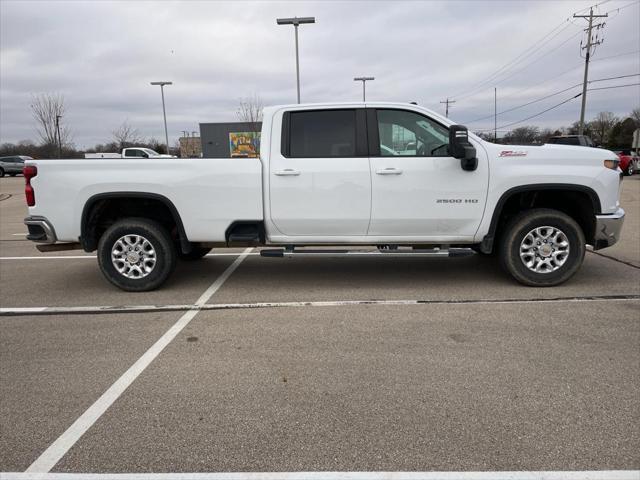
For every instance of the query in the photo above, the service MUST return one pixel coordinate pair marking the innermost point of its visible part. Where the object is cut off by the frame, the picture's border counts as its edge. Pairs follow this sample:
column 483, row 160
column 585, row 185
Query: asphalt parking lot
column 388, row 365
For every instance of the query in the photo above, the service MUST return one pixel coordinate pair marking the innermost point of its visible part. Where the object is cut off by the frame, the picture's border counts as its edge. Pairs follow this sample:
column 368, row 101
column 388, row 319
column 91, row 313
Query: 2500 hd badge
column 457, row 200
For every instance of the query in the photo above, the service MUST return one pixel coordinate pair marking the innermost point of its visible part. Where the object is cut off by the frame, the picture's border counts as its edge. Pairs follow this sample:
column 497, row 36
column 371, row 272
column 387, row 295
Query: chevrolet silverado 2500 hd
column 396, row 176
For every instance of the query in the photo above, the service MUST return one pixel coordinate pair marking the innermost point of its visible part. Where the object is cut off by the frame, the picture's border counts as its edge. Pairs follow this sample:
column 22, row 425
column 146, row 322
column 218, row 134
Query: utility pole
column 447, row 102
column 59, row 137
column 590, row 43
column 364, row 80
column 495, row 114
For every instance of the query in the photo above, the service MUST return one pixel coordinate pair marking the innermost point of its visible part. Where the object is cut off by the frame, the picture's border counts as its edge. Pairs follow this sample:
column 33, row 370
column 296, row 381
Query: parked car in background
column 131, row 152
column 628, row 164
column 12, row 165
column 580, row 140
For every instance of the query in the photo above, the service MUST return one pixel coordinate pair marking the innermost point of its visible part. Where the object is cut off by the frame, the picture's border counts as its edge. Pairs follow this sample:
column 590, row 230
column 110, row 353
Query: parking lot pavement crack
column 624, row 262
column 198, row 306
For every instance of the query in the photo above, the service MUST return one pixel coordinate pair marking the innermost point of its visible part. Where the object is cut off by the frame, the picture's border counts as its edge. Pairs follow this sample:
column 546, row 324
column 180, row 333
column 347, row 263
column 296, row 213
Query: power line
column 551, row 95
column 525, row 104
column 555, row 106
column 623, row 7
column 536, row 45
column 532, row 116
column 613, row 86
column 615, row 56
column 523, row 68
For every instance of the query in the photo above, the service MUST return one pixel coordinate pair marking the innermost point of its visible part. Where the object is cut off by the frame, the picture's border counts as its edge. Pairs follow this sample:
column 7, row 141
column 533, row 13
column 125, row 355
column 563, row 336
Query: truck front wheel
column 136, row 254
column 542, row 247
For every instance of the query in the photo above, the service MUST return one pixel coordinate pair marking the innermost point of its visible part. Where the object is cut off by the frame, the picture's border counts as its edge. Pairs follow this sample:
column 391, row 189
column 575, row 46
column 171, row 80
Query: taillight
column 29, row 172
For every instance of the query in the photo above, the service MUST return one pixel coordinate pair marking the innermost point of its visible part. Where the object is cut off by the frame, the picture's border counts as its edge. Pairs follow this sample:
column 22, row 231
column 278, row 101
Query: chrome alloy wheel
column 544, row 249
column 133, row 256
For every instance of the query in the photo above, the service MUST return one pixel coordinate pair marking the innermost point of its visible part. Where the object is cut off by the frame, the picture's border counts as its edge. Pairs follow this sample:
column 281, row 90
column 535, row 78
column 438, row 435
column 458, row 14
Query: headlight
column 612, row 164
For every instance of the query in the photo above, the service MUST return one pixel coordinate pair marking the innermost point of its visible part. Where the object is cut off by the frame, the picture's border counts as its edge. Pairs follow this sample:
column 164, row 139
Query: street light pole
column 296, row 22
column 59, row 137
column 364, row 81
column 164, row 112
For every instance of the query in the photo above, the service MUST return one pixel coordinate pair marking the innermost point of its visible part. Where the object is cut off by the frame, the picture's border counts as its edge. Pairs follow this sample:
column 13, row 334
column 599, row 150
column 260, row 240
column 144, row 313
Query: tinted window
column 131, row 153
column 565, row 141
column 409, row 134
column 323, row 133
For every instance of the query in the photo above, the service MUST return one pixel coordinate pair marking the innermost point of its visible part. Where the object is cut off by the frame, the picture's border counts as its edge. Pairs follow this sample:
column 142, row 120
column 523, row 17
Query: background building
column 190, row 147
column 230, row 139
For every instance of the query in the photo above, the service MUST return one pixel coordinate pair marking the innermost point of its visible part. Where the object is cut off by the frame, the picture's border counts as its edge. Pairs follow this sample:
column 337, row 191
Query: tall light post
column 59, row 137
column 364, row 80
column 295, row 21
column 164, row 112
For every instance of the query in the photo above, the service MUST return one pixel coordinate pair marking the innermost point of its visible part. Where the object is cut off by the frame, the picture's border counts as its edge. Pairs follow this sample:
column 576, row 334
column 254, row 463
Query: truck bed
column 209, row 193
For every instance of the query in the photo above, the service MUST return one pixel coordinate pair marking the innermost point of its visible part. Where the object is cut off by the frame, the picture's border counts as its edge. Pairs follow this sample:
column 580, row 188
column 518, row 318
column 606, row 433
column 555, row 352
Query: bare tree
column 635, row 114
column 601, row 127
column 525, row 134
column 126, row 136
column 250, row 111
column 48, row 109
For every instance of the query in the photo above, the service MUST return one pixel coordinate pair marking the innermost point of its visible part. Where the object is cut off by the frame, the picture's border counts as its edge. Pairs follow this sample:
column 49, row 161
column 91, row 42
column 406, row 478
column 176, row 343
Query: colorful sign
column 244, row 144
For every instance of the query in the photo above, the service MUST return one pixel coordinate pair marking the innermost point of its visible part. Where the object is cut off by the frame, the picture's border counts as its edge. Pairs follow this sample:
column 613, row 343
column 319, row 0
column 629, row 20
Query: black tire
column 524, row 223
column 629, row 170
column 195, row 254
column 156, row 235
column 1, row 172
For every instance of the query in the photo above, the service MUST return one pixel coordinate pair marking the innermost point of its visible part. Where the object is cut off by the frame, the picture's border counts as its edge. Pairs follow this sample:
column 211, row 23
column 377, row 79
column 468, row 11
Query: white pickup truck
column 130, row 152
column 389, row 175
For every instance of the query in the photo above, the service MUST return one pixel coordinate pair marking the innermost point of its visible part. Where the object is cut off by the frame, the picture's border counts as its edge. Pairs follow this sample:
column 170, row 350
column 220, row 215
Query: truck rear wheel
column 542, row 247
column 136, row 254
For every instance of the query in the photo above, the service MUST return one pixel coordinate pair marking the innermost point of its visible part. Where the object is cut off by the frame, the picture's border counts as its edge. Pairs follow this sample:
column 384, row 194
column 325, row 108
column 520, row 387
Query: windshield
column 150, row 152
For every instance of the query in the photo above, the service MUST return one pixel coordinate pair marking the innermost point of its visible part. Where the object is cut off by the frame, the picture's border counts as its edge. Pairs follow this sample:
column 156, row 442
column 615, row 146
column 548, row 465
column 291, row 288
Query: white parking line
column 9, row 311
column 19, row 234
column 67, row 257
column 51, row 456
column 538, row 475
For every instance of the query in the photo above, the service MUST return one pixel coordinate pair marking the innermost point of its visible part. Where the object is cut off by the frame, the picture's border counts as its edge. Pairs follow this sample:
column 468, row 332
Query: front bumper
column 40, row 230
column 608, row 229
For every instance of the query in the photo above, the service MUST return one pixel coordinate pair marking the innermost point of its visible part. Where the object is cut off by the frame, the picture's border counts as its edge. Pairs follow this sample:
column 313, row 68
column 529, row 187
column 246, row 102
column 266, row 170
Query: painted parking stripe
column 48, row 459
column 67, row 257
column 17, row 311
column 538, row 475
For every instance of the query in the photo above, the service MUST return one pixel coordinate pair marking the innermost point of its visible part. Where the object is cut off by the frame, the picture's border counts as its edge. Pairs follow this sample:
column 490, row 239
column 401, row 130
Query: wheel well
column 101, row 212
column 578, row 204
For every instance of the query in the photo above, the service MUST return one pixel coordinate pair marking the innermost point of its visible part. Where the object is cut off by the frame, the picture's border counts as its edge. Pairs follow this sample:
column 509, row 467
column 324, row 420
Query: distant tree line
column 605, row 130
column 55, row 137
column 48, row 111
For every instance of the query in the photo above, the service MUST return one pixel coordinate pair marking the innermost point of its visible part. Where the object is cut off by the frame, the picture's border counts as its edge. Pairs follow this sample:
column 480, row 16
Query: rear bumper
column 608, row 228
column 40, row 230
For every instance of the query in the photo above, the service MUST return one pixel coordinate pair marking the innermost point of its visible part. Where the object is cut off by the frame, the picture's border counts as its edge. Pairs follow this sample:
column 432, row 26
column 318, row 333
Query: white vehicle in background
column 131, row 152
column 394, row 176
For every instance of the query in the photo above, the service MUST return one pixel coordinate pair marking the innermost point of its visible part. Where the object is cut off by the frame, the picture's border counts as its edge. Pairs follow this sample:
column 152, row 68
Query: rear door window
column 322, row 134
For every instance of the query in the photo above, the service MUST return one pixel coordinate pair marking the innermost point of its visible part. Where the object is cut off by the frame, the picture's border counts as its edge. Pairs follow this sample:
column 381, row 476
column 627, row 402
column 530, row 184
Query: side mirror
column 461, row 148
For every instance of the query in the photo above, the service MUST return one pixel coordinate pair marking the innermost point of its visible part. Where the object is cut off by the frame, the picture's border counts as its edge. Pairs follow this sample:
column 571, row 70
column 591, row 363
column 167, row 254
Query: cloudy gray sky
column 102, row 55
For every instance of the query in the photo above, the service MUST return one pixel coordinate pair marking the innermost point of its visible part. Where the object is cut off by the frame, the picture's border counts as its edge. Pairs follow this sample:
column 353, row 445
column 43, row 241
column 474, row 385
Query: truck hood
column 547, row 151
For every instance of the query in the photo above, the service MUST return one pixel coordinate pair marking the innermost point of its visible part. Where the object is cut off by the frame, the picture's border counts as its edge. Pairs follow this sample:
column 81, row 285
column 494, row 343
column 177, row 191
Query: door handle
column 389, row 171
column 287, row 172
